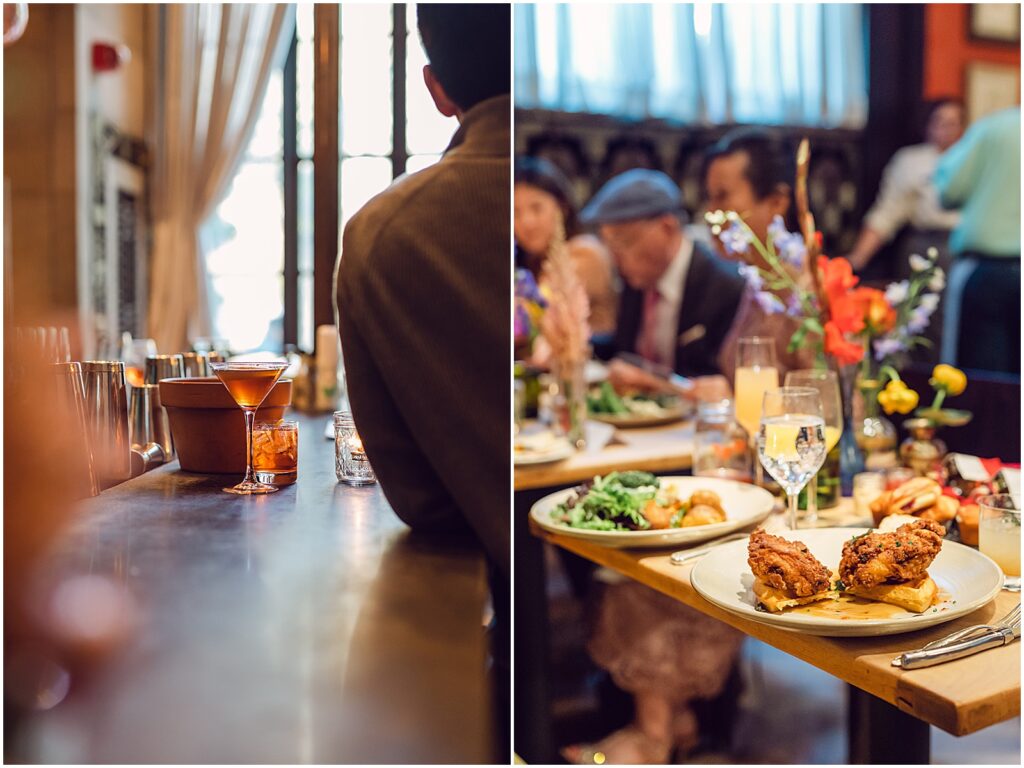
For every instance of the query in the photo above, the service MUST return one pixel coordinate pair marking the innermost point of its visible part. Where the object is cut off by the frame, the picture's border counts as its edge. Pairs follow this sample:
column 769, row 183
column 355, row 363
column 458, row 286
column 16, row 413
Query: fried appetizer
column 702, row 514
column 787, row 573
column 893, row 567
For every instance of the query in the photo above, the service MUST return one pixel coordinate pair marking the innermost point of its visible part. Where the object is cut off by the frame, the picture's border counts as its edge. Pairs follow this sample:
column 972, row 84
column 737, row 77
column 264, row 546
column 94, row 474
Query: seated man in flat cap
column 679, row 298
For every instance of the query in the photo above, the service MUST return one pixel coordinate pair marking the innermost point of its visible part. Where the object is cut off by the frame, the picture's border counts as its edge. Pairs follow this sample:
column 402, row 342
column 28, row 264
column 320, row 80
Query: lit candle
column 355, row 445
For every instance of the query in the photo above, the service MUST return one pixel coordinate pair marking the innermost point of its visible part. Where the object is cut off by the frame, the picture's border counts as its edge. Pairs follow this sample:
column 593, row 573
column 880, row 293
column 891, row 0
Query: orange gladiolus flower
column 847, row 312
column 845, row 352
column 836, row 276
column 878, row 313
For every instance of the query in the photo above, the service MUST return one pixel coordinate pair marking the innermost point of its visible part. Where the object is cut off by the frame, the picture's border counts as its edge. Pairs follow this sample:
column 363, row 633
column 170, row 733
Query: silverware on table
column 684, row 556
column 1013, row 617
column 995, row 637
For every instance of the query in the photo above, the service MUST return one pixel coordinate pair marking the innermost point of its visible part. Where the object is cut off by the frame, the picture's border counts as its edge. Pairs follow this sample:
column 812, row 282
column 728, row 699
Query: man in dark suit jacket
column 423, row 292
column 679, row 298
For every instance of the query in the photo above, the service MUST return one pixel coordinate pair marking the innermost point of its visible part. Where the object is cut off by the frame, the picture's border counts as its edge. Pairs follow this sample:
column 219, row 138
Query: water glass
column 999, row 535
column 867, row 486
column 791, row 442
column 720, row 444
column 350, row 462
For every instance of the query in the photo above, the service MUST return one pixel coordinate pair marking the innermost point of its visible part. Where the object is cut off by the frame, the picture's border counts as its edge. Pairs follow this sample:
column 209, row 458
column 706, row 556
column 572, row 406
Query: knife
column 922, row 658
column 686, row 555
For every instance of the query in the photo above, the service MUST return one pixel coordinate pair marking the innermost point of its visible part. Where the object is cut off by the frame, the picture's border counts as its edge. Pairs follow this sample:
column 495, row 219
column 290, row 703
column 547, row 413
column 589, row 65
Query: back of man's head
column 469, row 48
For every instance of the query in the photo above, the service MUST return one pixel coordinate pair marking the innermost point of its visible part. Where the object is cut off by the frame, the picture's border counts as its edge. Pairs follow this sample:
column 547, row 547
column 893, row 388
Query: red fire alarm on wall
column 107, row 57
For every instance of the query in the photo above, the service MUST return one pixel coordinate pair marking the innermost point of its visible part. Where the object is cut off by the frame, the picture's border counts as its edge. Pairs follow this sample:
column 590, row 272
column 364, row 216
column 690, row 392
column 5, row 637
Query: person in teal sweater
column 980, row 175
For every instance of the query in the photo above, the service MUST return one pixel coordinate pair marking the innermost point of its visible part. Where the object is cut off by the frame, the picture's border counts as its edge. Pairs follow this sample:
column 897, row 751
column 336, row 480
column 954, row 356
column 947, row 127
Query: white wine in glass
column 791, row 441
column 756, row 373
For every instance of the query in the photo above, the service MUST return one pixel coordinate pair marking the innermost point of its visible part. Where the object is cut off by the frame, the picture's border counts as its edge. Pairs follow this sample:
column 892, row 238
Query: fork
column 1013, row 617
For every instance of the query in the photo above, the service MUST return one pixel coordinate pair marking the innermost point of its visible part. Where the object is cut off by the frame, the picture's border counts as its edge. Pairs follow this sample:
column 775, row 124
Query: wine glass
column 791, row 442
column 827, row 384
column 756, row 372
column 249, row 384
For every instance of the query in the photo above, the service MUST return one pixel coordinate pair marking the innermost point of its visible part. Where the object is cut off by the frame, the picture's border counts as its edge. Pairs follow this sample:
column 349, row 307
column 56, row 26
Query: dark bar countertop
column 308, row 625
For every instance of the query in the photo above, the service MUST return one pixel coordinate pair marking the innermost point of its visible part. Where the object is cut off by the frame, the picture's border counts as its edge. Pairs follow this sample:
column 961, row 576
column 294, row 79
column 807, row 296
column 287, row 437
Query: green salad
column 604, row 400
column 617, row 502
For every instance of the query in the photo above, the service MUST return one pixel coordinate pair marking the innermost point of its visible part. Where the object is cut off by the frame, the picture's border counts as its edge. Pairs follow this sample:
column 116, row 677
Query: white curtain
column 213, row 64
column 783, row 64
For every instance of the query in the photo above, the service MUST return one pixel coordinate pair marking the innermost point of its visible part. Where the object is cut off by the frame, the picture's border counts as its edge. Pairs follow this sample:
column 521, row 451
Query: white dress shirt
column 666, row 315
column 908, row 195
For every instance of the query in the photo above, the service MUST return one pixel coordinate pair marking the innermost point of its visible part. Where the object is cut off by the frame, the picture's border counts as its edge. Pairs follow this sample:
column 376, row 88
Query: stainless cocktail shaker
column 106, row 404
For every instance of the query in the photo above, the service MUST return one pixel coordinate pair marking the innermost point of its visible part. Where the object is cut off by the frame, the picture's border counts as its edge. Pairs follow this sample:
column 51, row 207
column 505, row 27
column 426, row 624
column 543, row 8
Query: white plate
column 744, row 505
column 969, row 578
column 668, row 415
column 542, row 448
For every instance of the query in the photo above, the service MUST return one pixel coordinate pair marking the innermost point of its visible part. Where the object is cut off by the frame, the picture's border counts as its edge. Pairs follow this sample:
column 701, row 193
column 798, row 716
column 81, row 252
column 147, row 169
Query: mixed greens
column 603, row 399
column 612, row 503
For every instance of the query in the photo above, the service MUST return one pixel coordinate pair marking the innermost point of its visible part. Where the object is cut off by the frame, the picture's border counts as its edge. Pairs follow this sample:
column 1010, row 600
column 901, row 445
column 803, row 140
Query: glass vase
column 569, row 402
column 876, row 435
column 851, row 459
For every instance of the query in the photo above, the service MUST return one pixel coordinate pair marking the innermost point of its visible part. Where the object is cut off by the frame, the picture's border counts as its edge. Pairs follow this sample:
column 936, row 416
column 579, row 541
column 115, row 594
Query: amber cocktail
column 249, row 384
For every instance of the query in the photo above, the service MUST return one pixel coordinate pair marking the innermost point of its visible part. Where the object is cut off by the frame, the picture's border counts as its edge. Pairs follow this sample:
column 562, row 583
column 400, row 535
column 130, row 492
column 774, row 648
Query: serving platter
column 744, row 505
column 966, row 580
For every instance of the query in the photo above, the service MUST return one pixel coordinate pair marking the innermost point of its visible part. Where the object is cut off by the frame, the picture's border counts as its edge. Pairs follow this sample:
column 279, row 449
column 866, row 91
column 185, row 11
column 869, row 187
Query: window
column 784, row 64
column 246, row 240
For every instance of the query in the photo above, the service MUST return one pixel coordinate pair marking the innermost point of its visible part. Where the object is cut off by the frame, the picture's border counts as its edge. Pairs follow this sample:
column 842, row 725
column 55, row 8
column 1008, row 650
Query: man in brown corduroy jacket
column 424, row 292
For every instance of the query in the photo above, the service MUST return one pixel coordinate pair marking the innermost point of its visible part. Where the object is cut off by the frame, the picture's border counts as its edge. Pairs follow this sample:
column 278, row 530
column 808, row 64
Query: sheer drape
column 211, row 74
column 786, row 64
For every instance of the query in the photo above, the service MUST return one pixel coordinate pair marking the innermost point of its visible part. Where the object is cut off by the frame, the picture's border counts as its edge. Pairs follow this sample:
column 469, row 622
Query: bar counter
column 308, row 625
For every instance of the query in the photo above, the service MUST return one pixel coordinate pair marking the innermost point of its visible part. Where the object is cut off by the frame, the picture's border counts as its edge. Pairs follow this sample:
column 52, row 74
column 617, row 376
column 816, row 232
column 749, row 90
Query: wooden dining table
column 890, row 710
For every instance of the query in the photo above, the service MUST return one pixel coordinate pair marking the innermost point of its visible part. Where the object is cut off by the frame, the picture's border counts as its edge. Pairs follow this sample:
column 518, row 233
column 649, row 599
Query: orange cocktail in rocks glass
column 249, row 384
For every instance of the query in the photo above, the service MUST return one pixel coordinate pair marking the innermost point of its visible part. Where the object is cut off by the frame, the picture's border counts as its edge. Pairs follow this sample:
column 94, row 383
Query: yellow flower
column 948, row 378
column 897, row 397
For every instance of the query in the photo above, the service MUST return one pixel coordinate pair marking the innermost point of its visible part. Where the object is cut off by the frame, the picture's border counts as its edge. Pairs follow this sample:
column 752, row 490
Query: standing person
column 981, row 176
column 541, row 195
column 908, row 196
column 678, row 299
column 423, row 290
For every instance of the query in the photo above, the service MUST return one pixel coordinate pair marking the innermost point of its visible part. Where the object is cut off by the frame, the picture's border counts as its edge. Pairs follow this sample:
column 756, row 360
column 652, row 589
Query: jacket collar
column 484, row 129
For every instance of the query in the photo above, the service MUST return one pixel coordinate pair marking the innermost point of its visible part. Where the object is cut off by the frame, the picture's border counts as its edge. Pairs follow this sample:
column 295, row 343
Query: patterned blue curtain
column 782, row 64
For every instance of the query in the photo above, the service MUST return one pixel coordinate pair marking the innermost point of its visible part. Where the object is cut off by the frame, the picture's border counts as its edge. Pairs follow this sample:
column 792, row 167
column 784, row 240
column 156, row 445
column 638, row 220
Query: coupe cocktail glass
column 249, row 384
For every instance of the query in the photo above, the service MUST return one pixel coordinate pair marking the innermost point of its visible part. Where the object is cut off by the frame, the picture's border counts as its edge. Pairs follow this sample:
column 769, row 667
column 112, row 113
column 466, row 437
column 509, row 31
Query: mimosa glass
column 791, row 442
column 756, row 372
column 827, row 384
column 249, row 384
column 999, row 535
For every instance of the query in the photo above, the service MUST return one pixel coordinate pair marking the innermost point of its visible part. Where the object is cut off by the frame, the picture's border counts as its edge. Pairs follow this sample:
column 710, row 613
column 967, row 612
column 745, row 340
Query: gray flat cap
column 636, row 194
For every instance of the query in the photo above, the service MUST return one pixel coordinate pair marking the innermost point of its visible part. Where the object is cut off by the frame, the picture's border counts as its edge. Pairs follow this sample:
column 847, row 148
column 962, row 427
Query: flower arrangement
column 840, row 319
column 946, row 381
column 564, row 323
column 529, row 305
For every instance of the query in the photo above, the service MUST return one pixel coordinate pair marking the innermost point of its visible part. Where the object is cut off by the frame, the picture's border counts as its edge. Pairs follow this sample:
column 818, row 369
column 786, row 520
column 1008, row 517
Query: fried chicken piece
column 785, row 564
column 891, row 558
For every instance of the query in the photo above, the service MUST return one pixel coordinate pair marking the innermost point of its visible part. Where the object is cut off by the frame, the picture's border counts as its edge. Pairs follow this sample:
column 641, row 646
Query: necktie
column 648, row 346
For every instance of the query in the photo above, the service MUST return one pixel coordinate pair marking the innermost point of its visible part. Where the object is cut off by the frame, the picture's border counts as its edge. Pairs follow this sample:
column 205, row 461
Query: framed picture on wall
column 995, row 22
column 990, row 87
